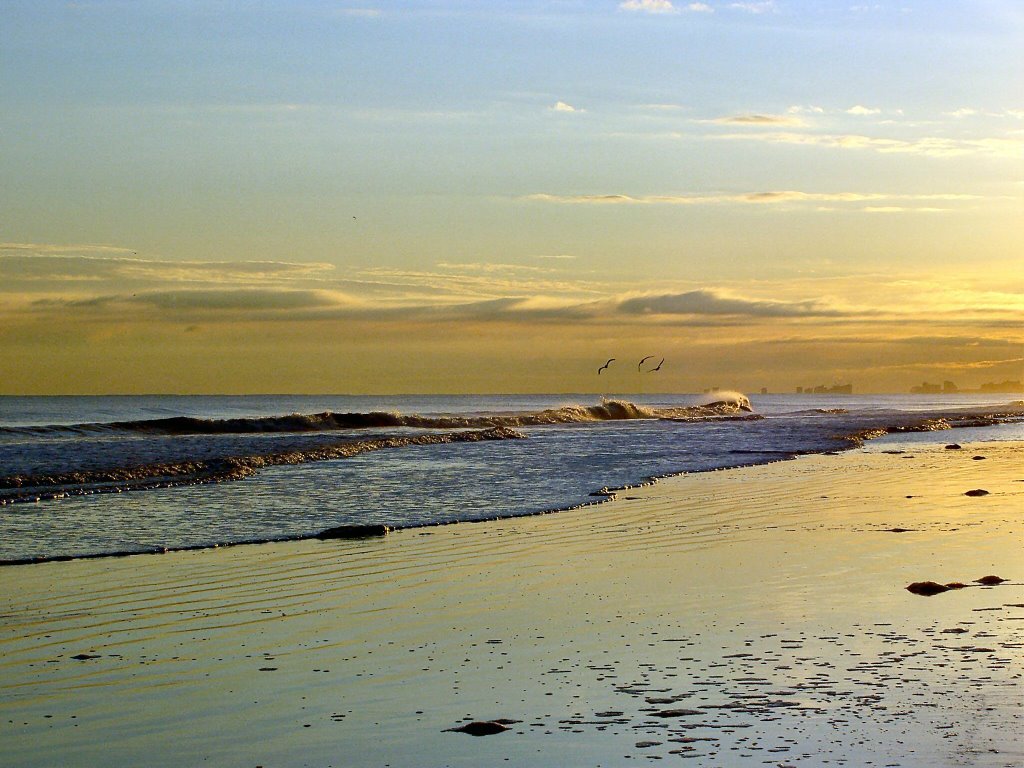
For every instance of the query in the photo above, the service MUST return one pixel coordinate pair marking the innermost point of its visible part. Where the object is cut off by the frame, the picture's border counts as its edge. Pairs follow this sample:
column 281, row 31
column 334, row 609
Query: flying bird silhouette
column 640, row 364
column 610, row 361
column 658, row 367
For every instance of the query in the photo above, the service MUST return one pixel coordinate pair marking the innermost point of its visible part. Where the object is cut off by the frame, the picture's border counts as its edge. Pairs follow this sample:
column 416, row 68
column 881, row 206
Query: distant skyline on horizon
column 445, row 197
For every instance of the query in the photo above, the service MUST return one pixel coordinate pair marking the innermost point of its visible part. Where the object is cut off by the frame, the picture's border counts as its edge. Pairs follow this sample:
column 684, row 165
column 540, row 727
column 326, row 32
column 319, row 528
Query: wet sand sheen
column 752, row 616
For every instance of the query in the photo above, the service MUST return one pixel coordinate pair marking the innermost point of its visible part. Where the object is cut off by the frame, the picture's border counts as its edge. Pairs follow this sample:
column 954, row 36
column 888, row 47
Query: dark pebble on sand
column 978, row 458
column 927, row 588
column 976, row 492
column 354, row 532
column 990, row 581
column 84, row 656
column 954, row 447
column 481, row 728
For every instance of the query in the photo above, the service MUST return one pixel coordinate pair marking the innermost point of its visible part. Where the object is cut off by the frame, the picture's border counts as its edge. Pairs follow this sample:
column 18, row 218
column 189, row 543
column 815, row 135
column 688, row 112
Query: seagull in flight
column 610, row 361
column 658, row 367
column 640, row 364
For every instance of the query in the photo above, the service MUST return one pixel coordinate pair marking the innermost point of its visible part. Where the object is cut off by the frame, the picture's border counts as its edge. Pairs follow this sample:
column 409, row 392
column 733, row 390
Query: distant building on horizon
column 949, row 388
column 1008, row 387
column 821, row 389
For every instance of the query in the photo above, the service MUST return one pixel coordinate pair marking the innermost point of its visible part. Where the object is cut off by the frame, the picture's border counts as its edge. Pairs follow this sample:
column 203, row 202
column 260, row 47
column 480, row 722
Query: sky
column 439, row 197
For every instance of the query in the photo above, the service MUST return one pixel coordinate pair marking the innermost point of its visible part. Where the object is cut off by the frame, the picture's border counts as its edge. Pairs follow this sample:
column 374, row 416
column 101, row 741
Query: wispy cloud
column 757, row 120
column 210, row 300
column 861, row 110
column 902, row 209
column 712, row 302
column 671, row 108
column 489, row 267
column 809, row 109
column 561, row 106
column 930, row 146
column 648, row 6
column 766, row 6
column 53, row 265
column 107, row 291
column 58, row 248
column 747, row 198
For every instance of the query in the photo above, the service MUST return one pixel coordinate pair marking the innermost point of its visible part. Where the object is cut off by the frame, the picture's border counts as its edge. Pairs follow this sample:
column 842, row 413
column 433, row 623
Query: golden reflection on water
column 769, row 599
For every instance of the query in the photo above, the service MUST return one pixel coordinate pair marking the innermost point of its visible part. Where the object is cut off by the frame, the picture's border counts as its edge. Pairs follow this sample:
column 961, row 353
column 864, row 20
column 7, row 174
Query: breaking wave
column 726, row 404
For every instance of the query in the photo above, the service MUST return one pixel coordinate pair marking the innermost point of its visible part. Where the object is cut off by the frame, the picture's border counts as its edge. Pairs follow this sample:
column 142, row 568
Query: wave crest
column 607, row 410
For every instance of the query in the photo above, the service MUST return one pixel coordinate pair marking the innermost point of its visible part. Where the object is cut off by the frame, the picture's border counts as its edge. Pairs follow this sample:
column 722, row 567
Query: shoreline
column 601, row 496
column 855, row 440
column 770, row 622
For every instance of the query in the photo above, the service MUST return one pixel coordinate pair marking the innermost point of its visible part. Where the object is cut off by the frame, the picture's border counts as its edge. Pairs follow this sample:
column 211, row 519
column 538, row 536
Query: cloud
column 810, row 109
column 648, row 6
column 767, row 6
column 862, row 110
column 222, row 293
column 235, row 299
column 45, row 264
column 489, row 267
column 700, row 8
column 929, row 146
column 561, row 106
column 66, row 249
column 752, row 198
column 712, row 302
column 901, row 209
column 977, row 364
column 757, row 119
column 661, row 107
column 207, row 300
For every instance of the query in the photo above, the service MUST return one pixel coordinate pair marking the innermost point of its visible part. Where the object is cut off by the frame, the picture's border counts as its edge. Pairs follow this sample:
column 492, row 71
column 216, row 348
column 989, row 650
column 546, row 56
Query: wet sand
column 746, row 617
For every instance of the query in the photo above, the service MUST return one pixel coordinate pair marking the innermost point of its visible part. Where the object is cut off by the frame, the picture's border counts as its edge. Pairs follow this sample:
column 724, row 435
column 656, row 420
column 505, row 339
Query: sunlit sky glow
column 224, row 196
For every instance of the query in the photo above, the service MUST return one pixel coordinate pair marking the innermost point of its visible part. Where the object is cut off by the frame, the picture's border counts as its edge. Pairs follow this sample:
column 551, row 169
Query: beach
column 749, row 616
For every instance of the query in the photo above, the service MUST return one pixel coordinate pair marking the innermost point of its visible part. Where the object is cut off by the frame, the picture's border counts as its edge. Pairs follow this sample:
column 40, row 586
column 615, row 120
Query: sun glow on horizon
column 439, row 198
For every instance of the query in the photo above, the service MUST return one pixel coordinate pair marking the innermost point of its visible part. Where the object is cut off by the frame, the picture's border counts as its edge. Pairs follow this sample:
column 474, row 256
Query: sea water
column 103, row 475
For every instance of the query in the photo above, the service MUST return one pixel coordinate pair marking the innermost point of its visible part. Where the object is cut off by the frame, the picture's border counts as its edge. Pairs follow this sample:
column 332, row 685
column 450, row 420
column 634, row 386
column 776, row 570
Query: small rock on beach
column 354, row 532
column 484, row 727
column 990, row 581
column 927, row 588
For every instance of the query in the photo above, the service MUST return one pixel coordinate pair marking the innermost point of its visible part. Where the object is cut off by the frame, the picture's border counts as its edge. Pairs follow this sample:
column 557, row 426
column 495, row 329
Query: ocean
column 93, row 476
